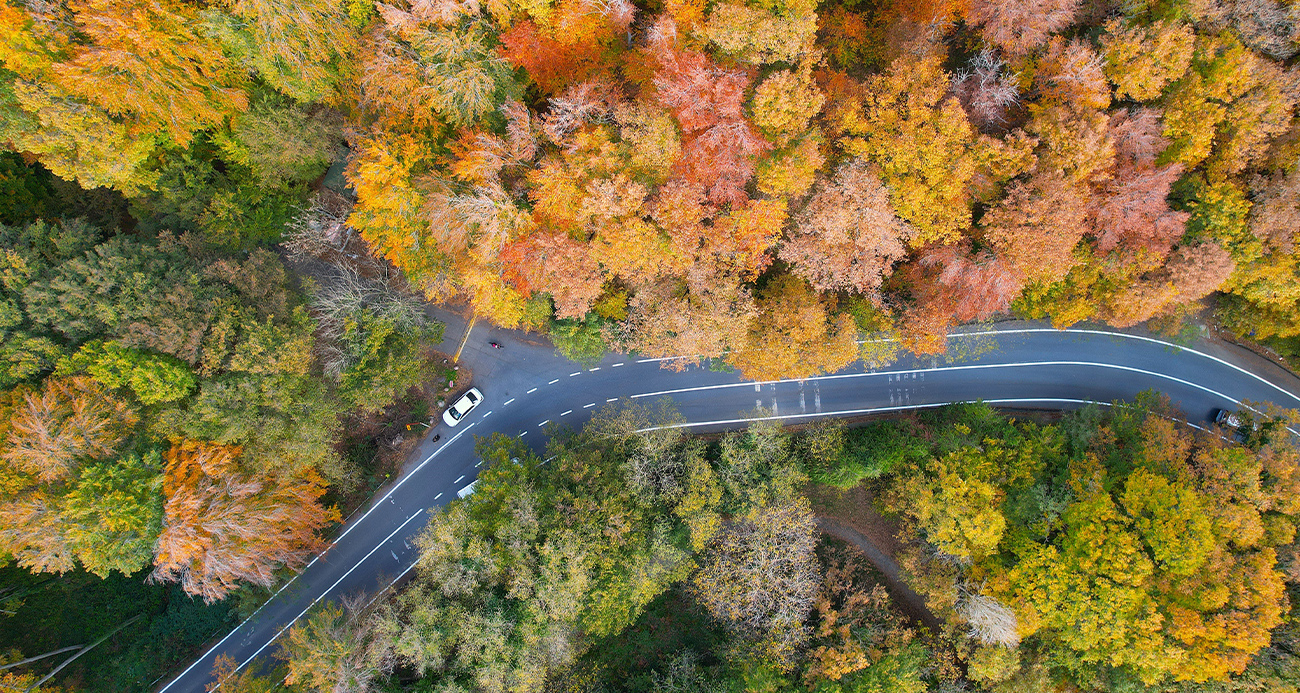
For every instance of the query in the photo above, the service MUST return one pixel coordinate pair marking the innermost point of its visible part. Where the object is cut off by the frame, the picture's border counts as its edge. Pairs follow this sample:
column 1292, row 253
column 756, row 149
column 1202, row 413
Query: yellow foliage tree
column 793, row 335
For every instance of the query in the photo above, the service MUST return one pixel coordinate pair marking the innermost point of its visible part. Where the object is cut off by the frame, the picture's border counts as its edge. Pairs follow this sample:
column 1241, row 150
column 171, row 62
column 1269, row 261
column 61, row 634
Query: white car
column 462, row 406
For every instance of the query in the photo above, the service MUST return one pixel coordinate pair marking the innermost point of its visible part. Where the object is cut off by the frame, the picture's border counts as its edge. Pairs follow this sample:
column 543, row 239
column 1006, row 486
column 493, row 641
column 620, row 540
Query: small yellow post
column 465, row 338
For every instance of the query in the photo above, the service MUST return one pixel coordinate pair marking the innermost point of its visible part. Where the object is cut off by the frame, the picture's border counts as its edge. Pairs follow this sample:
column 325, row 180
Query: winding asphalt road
column 527, row 387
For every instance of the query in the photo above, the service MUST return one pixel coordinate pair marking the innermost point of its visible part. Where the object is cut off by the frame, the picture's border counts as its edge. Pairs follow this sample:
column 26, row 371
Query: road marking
column 543, row 423
column 556, row 381
column 1053, row 330
column 969, row 367
column 573, row 374
column 437, row 496
column 489, row 413
column 309, row 606
column 394, row 554
column 594, row 369
column 611, row 399
column 531, row 391
column 459, row 479
column 507, row 402
column 479, row 463
column 758, row 387
column 616, row 365
column 588, row 406
column 522, row 434
column 1229, row 364
column 758, row 403
column 389, row 586
column 567, row 413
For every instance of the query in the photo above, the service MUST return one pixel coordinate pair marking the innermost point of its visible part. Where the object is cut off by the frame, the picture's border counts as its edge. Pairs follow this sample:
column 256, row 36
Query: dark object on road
column 1233, row 423
column 437, row 437
column 495, row 345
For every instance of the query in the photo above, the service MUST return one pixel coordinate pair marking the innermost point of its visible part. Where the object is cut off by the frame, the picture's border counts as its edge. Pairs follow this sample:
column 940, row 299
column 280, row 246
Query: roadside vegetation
column 171, row 421
column 1112, row 549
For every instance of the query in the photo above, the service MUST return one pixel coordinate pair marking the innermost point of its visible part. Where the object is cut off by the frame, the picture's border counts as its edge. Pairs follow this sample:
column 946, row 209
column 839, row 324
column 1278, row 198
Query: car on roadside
column 1227, row 419
column 1232, row 422
column 462, row 406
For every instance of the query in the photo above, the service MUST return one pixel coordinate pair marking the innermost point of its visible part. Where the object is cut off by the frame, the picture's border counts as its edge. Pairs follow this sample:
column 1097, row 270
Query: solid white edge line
column 1152, row 340
column 323, row 594
column 978, row 366
column 1068, row 330
column 389, row 586
column 337, row 539
column 938, row 369
column 934, row 405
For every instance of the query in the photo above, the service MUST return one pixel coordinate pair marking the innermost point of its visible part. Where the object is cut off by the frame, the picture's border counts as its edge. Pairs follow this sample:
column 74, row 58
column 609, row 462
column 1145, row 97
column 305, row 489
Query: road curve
column 527, row 387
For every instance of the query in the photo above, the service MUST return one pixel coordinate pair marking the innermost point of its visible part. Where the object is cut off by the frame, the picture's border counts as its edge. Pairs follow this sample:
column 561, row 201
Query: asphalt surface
column 528, row 387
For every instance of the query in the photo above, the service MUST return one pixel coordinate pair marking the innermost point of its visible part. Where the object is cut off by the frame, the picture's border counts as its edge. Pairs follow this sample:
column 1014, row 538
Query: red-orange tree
column 223, row 525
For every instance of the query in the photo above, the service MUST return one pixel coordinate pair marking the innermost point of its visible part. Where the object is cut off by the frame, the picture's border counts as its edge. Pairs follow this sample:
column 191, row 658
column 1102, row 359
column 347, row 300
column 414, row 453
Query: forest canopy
column 665, row 177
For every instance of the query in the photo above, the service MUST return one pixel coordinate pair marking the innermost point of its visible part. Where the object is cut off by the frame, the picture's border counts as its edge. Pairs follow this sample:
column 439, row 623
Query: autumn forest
column 222, row 222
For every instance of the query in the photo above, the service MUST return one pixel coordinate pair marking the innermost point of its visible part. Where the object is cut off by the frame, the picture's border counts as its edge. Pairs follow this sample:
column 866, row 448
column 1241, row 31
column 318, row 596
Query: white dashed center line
column 612, row 399
column 573, row 374
column 556, row 381
column 532, row 391
column 594, row 369
column 508, row 401
column 567, row 413
column 616, row 365
column 459, row 479
column 588, row 406
column 543, row 423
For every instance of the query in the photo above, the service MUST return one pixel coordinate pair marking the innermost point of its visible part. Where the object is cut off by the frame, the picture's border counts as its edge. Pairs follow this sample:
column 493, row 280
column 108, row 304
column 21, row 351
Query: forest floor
column 851, row 517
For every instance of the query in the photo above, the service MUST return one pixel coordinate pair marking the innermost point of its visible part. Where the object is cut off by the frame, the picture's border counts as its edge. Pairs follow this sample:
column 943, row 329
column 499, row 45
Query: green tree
column 114, row 513
column 302, row 49
column 581, row 341
column 154, row 378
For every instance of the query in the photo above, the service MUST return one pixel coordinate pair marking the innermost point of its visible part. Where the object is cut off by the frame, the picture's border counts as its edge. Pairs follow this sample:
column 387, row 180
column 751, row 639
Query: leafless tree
column 986, row 89
column 344, row 294
column 991, row 622
column 319, row 230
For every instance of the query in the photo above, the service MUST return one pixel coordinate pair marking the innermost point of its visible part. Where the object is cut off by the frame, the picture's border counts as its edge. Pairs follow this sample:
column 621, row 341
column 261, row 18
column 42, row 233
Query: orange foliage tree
column 223, row 524
column 847, row 237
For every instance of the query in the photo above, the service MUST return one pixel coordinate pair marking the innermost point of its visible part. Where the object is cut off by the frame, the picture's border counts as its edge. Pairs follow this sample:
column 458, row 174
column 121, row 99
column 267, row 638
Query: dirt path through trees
column 909, row 601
